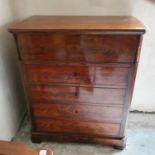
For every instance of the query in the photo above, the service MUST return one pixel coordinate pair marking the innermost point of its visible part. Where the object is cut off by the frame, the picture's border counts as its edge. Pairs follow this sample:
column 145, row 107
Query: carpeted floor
column 140, row 139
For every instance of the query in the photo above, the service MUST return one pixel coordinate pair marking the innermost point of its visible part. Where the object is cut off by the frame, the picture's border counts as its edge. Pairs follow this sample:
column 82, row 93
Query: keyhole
column 76, row 111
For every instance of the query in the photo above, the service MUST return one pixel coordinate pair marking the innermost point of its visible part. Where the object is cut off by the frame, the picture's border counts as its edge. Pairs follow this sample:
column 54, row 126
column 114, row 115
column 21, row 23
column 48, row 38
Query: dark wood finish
column 77, row 127
column 118, row 143
column 78, row 48
column 78, row 74
column 72, row 94
column 78, row 112
column 115, row 75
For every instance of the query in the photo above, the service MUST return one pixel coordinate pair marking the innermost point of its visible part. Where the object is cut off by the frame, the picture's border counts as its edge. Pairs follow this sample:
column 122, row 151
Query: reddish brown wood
column 12, row 148
column 112, row 75
column 131, row 82
column 77, row 127
column 60, row 74
column 115, row 75
column 53, row 23
column 78, row 48
column 79, row 73
column 118, row 143
column 78, row 112
column 71, row 94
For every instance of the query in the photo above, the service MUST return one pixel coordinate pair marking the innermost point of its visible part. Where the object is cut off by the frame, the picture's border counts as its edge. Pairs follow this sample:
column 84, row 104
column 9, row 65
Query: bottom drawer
column 77, row 127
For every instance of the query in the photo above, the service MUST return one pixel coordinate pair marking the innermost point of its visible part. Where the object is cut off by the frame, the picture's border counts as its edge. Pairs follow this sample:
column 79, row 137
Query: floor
column 140, row 133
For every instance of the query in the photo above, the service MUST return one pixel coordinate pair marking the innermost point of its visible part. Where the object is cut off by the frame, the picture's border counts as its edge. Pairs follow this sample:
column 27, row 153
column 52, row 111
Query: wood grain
column 113, row 75
column 71, row 94
column 78, row 73
column 78, row 48
column 49, row 23
column 78, row 112
column 77, row 127
column 13, row 148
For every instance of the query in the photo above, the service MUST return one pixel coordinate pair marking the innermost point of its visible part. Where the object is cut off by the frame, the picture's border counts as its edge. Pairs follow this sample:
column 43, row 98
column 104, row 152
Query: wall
column 11, row 96
column 144, row 94
column 144, row 98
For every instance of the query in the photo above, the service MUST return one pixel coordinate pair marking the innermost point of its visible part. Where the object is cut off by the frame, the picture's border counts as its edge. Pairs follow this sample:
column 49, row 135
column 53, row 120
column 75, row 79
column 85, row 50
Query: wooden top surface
column 104, row 23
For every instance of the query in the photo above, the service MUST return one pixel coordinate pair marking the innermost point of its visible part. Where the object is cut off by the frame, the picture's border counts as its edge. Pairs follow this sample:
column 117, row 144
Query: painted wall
column 11, row 97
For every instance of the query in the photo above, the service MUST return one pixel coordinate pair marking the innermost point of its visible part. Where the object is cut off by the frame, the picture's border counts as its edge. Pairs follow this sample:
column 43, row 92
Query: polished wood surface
column 47, row 23
column 78, row 112
column 107, row 74
column 78, row 48
column 77, row 127
column 12, row 148
column 78, row 74
column 85, row 95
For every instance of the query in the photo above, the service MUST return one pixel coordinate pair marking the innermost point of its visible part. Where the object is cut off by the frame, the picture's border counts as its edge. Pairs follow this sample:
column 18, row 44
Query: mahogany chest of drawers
column 78, row 74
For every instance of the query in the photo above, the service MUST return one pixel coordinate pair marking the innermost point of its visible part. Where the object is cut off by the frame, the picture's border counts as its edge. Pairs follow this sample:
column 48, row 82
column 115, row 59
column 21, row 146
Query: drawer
column 113, row 75
column 77, row 127
column 72, row 94
column 71, row 74
column 79, row 112
column 78, row 47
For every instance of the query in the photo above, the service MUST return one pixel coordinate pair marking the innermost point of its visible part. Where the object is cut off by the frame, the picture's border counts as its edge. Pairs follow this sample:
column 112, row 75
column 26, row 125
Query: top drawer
column 90, row 48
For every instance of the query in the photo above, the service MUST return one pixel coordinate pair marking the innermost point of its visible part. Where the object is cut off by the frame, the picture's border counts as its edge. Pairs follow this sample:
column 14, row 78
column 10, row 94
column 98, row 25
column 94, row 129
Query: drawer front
column 71, row 94
column 78, row 47
column 60, row 74
column 79, row 112
column 113, row 75
column 77, row 127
